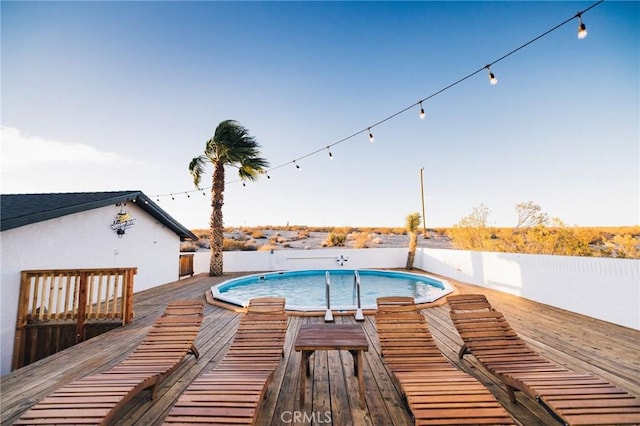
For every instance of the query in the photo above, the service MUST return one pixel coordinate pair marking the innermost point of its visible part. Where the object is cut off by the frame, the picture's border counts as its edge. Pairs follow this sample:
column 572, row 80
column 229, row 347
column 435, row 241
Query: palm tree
column 412, row 223
column 231, row 145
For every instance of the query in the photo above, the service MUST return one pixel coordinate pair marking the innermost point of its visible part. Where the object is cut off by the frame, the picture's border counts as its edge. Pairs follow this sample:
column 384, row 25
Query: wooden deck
column 576, row 341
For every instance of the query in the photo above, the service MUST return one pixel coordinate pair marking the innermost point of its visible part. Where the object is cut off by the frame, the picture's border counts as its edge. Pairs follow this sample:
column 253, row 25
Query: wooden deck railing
column 63, row 297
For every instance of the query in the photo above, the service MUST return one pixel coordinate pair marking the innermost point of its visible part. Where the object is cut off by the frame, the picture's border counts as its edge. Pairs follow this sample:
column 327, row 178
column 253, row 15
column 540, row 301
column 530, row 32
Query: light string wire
column 367, row 130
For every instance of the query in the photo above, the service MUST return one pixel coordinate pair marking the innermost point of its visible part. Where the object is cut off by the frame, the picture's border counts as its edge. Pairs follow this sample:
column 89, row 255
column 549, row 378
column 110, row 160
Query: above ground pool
column 306, row 290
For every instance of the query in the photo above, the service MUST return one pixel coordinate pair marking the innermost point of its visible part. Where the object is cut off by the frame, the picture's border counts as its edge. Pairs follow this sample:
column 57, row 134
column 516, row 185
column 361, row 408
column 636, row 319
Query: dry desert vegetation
column 619, row 242
column 307, row 238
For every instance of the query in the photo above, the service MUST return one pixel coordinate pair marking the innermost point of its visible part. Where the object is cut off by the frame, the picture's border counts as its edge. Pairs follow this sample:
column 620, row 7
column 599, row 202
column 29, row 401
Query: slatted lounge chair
column 573, row 397
column 233, row 390
column 436, row 391
column 96, row 398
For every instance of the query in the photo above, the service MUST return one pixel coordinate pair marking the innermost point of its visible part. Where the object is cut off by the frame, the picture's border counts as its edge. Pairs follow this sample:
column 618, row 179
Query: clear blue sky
column 121, row 95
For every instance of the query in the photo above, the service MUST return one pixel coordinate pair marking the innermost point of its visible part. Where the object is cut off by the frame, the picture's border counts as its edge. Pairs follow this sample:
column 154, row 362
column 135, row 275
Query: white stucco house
column 83, row 230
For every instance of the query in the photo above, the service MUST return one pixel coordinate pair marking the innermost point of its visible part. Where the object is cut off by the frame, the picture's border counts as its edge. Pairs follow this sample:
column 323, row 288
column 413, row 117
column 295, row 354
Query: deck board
column 579, row 342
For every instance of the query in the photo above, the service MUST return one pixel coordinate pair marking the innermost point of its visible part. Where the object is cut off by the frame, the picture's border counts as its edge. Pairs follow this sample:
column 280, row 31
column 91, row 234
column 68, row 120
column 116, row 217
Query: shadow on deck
column 576, row 341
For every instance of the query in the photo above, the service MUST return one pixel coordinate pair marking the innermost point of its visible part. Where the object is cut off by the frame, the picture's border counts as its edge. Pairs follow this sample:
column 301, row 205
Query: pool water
column 306, row 290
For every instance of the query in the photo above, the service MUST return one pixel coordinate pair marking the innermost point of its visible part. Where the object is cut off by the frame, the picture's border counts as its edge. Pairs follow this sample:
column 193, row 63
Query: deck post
column 128, row 291
column 82, row 307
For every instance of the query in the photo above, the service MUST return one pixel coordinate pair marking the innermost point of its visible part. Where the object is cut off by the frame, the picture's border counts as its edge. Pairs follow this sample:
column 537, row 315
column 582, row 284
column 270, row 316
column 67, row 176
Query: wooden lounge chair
column 435, row 390
column 233, row 390
column 573, row 397
column 96, row 398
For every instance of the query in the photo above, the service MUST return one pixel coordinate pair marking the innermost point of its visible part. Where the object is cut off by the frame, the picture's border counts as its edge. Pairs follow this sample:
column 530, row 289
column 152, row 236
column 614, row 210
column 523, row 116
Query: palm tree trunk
column 217, row 224
column 413, row 243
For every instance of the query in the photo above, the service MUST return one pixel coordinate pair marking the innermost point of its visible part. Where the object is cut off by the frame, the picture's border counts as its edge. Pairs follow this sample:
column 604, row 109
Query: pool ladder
column 328, row 315
column 356, row 290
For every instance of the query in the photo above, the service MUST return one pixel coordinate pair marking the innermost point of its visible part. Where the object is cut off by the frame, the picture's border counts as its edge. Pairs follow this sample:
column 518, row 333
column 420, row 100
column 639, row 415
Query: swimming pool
column 306, row 290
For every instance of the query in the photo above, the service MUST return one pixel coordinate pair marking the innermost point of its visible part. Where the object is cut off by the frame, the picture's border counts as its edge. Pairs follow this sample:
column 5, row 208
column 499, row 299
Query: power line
column 368, row 130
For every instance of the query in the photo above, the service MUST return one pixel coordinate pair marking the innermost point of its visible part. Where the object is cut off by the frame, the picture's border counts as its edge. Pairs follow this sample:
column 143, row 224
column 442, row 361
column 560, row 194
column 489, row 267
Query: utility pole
column 424, row 218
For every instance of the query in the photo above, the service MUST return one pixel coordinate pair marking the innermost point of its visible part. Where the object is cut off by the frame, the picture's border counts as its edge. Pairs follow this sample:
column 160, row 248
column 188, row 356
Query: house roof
column 23, row 209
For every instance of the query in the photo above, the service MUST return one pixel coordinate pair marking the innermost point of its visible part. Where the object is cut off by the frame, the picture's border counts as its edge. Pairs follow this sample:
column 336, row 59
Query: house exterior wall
column 83, row 240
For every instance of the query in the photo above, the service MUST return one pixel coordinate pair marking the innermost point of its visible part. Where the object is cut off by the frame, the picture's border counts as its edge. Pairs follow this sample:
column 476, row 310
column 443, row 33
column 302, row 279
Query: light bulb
column 582, row 29
column 297, row 165
column 371, row 138
column 330, row 154
column 492, row 78
column 421, row 111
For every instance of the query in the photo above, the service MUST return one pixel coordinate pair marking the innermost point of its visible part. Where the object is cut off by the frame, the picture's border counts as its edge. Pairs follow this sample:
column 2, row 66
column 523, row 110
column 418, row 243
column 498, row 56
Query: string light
column 492, row 78
column 187, row 194
column 582, row 33
column 582, row 28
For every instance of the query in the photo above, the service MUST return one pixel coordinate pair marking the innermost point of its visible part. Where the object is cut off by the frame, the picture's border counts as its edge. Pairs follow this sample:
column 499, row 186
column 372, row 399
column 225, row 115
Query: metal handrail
column 356, row 285
column 328, row 315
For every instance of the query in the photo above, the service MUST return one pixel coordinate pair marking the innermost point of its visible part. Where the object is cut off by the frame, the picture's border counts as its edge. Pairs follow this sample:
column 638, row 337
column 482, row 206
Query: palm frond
column 251, row 168
column 196, row 168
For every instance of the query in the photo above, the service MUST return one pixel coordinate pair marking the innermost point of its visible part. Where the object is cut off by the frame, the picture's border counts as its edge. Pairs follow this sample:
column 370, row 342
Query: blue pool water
column 306, row 290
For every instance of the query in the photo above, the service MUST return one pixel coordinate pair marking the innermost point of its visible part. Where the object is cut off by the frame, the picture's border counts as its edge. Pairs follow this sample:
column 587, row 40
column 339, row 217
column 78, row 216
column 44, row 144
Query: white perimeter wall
column 286, row 260
column 603, row 288
column 83, row 240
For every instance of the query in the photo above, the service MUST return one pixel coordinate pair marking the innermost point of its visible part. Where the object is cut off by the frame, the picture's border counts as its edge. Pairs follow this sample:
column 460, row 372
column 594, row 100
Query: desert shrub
column 303, row 234
column 229, row 244
column 624, row 246
column 202, row 234
column 361, row 240
column 335, row 239
column 267, row 247
column 249, row 247
column 258, row 234
column 188, row 247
